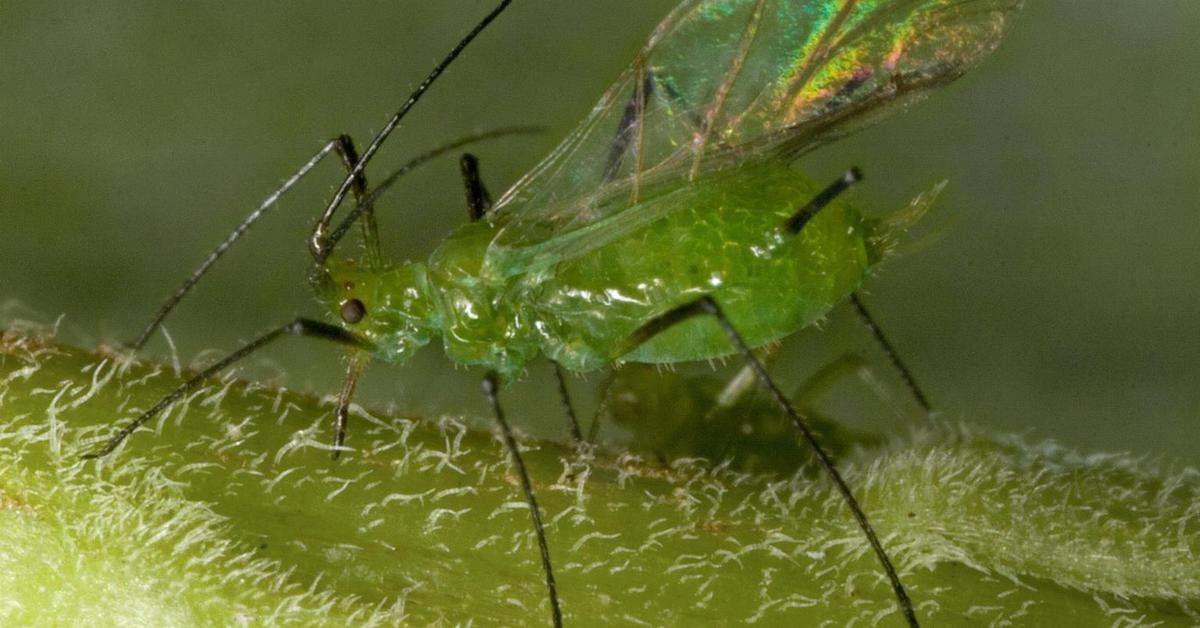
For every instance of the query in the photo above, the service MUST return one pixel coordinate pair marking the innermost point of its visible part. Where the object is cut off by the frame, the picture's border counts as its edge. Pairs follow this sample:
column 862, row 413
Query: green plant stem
column 229, row 510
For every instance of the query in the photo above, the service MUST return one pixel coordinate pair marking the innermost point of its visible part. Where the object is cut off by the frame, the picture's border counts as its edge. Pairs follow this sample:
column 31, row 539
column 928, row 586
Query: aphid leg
column 478, row 199
column 386, row 184
column 605, row 389
column 820, row 382
column 491, row 389
column 706, row 305
column 267, row 204
column 876, row 331
column 357, row 360
column 298, row 327
column 478, row 204
column 350, row 159
column 354, row 368
column 568, row 407
column 738, row 387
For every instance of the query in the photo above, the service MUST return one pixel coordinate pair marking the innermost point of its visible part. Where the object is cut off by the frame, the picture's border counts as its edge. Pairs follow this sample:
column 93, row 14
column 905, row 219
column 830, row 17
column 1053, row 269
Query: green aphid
column 669, row 226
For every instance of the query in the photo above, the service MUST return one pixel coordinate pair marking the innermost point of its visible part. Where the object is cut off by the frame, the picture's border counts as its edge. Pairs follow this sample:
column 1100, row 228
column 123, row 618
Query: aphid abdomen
column 726, row 242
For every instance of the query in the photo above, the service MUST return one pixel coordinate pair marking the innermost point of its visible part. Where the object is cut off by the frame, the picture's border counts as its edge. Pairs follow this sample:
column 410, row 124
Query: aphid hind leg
column 568, row 407
column 820, row 382
column 880, row 338
column 491, row 389
column 706, row 305
column 479, row 201
column 299, row 327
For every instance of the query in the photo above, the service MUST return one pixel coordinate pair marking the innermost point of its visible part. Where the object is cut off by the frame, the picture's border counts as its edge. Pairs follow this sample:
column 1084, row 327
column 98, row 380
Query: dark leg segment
column 572, row 419
column 705, row 305
column 298, row 327
column 478, row 199
column 491, row 389
column 350, row 159
column 358, row 361
column 877, row 332
column 379, row 190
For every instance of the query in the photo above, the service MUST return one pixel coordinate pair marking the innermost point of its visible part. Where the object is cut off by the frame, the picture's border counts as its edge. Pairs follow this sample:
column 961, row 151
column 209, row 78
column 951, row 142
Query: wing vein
column 731, row 75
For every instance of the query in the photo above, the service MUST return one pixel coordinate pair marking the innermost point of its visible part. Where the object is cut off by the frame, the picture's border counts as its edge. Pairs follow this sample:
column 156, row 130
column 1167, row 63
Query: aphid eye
column 353, row 311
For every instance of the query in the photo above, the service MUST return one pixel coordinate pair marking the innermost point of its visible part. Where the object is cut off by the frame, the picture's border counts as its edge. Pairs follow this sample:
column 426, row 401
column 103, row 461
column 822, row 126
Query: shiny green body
column 724, row 239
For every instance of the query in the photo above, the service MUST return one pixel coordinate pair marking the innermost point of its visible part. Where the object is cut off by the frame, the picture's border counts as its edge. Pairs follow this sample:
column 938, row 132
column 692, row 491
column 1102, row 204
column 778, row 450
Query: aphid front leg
column 299, row 327
column 357, row 359
column 491, row 389
column 355, row 364
column 706, row 305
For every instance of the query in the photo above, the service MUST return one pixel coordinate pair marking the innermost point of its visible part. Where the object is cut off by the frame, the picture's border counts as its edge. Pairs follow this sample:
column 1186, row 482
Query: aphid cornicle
column 669, row 226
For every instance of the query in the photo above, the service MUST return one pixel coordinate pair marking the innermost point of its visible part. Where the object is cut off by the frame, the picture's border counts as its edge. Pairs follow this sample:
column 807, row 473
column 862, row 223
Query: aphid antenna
column 272, row 200
column 356, row 167
column 386, row 184
column 318, row 243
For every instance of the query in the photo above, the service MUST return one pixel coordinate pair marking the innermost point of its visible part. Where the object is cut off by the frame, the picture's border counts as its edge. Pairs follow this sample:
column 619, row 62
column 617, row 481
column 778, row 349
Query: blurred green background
column 1054, row 289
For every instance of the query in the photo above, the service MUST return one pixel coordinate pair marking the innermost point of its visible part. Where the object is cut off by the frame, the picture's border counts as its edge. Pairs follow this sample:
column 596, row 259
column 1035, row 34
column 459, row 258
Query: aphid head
column 391, row 308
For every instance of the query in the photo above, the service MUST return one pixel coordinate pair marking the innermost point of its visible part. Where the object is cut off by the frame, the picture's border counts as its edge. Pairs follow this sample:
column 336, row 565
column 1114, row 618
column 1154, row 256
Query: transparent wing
column 725, row 81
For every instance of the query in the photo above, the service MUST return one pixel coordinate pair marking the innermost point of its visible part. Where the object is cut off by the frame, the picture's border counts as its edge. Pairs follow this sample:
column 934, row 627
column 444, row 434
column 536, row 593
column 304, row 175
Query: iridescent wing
column 722, row 82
